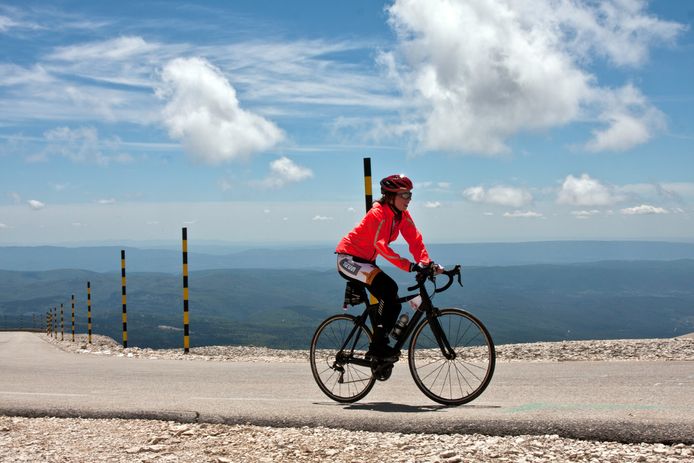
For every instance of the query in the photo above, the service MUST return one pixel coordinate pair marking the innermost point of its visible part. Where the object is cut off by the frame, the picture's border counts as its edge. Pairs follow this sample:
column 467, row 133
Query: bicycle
column 451, row 354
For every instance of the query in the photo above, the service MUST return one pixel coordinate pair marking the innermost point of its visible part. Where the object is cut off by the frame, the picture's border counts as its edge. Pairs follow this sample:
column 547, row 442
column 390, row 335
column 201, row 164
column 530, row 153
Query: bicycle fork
column 441, row 338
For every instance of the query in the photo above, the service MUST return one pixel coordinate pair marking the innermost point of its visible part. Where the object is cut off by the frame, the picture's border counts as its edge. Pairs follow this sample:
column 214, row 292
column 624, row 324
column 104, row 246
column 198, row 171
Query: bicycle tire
column 459, row 380
column 354, row 382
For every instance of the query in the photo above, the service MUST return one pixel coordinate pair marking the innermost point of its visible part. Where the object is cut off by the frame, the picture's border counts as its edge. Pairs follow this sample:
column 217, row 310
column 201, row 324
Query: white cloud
column 500, row 195
column 82, row 145
column 432, row 204
column 205, row 115
column 7, row 23
column 321, row 218
column 585, row 214
column 106, row 201
column 677, row 188
column 284, row 171
column 643, row 209
column 36, row 205
column 3, row 226
column 121, row 48
column 585, row 191
column 305, row 72
column 12, row 74
column 483, row 70
column 630, row 121
column 439, row 187
column 523, row 214
column 113, row 78
column 679, row 192
column 618, row 30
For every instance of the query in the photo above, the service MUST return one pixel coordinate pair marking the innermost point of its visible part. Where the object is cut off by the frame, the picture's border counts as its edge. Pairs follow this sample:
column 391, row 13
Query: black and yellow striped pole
column 73, row 318
column 125, row 312
column 186, row 320
column 367, row 184
column 368, row 195
column 62, row 324
column 55, row 322
column 49, row 323
column 89, row 311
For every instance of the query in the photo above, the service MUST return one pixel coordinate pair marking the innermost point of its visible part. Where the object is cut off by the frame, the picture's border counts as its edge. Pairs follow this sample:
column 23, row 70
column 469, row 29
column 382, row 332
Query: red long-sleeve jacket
column 380, row 227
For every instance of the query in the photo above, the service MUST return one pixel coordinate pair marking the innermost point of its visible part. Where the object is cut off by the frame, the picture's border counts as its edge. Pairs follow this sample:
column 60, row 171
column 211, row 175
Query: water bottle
column 399, row 326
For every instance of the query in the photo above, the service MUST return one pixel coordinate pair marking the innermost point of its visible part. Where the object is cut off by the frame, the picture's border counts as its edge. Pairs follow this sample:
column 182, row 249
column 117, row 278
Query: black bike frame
column 426, row 307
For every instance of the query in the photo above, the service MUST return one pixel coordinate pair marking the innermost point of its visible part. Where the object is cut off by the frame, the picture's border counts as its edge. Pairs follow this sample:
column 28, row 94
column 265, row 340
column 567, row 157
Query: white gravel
column 681, row 348
column 87, row 440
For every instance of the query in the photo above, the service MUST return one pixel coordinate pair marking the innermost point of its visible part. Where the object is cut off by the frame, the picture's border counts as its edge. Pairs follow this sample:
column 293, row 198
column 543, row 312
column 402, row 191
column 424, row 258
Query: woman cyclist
column 357, row 251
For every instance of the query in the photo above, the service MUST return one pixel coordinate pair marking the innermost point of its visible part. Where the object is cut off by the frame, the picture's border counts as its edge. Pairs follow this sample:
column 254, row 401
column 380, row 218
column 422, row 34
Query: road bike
column 451, row 354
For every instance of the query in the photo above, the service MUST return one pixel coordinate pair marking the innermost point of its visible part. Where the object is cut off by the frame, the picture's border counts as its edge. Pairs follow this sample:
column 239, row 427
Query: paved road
column 620, row 401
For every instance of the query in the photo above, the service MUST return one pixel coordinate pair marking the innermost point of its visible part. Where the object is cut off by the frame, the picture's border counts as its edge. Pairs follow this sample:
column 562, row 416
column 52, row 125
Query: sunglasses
column 406, row 195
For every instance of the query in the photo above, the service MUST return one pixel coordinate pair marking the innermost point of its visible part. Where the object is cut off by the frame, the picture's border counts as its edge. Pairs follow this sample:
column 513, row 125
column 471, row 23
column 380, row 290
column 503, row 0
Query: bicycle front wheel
column 458, row 375
column 336, row 342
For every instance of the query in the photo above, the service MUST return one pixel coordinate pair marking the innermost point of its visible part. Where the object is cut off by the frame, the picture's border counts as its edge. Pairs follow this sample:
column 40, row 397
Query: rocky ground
column 85, row 440
column 681, row 348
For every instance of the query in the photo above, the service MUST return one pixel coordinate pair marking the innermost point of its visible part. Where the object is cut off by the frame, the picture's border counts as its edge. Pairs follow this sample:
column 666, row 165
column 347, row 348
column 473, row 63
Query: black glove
column 418, row 267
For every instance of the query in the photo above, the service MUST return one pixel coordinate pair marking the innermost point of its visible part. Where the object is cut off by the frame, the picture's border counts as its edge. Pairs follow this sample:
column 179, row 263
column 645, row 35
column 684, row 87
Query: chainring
column 382, row 371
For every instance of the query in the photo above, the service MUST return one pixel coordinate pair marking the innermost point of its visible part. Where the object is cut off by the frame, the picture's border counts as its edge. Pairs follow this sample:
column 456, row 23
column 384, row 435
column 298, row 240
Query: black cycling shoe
column 382, row 352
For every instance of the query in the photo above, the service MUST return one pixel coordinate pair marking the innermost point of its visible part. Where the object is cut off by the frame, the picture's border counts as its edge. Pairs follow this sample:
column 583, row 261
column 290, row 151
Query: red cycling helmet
column 396, row 184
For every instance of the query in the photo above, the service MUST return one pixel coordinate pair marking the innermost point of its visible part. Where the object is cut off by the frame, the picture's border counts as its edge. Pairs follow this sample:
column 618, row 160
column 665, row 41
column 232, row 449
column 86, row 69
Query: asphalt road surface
column 616, row 401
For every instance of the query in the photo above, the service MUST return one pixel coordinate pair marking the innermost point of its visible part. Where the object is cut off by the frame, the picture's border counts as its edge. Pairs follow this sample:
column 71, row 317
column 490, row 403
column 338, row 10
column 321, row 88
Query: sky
column 248, row 121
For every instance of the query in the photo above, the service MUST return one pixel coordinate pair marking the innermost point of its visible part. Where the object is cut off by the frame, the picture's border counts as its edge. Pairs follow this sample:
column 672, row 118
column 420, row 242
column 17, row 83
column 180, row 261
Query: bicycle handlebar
column 429, row 274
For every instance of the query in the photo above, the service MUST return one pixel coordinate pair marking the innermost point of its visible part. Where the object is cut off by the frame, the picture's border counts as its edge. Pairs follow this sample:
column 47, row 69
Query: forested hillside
column 281, row 308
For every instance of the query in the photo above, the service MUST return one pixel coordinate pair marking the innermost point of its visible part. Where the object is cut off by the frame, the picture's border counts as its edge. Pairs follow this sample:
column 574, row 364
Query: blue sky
column 247, row 121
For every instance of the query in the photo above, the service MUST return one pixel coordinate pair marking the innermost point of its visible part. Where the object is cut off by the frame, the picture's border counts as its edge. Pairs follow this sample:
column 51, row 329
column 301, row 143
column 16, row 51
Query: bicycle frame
column 426, row 308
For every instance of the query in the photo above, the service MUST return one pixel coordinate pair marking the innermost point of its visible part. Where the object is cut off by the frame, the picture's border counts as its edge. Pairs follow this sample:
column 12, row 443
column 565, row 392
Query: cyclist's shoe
column 382, row 352
column 382, row 371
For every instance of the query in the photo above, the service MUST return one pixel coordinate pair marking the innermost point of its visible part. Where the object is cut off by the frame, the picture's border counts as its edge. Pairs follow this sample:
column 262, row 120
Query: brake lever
column 457, row 271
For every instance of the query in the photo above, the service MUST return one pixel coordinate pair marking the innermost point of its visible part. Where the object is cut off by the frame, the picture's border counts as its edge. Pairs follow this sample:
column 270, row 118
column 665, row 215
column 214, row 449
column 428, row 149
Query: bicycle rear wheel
column 332, row 349
column 452, row 379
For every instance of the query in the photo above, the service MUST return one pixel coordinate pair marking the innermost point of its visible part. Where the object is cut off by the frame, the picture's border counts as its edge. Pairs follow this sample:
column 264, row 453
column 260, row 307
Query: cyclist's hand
column 431, row 267
column 419, row 267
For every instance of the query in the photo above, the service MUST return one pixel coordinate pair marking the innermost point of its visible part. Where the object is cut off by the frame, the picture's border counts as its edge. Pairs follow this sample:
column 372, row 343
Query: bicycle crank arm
column 360, row 362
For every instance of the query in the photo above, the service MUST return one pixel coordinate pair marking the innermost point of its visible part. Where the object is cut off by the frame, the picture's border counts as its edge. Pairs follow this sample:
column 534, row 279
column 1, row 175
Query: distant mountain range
column 282, row 307
column 317, row 257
